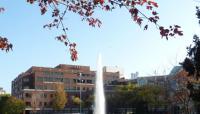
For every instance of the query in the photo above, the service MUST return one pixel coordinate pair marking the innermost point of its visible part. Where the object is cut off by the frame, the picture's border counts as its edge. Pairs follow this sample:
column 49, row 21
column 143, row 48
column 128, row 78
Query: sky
column 120, row 41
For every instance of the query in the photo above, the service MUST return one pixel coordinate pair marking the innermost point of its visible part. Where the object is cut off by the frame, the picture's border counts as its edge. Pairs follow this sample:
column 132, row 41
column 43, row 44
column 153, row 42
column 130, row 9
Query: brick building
column 36, row 85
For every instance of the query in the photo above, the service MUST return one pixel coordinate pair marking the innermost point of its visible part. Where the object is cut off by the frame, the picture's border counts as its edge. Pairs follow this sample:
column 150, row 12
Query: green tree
column 181, row 95
column 3, row 99
column 60, row 97
column 139, row 97
column 149, row 96
column 12, row 105
column 191, row 64
column 76, row 100
column 88, row 101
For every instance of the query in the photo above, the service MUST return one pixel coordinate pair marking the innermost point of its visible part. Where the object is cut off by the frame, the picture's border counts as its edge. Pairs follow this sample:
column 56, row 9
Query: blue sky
column 120, row 41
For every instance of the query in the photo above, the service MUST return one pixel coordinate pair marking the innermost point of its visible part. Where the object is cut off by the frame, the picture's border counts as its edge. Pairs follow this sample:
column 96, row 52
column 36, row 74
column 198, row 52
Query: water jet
column 99, row 105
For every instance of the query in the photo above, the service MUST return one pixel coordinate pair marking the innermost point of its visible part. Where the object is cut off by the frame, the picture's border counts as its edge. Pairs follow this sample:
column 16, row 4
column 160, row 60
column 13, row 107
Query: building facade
column 114, row 69
column 134, row 75
column 36, row 86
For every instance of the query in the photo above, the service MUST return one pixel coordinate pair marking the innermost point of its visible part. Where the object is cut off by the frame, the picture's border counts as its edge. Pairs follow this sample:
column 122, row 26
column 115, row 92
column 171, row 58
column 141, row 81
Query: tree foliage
column 89, row 101
column 140, row 97
column 11, row 105
column 86, row 9
column 4, row 43
column 3, row 99
column 76, row 100
column 60, row 97
column 191, row 64
column 141, row 11
column 181, row 95
column 151, row 94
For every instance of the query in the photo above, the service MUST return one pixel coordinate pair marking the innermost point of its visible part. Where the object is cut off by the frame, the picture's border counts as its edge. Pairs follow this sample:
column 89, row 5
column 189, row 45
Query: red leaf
column 145, row 27
column 149, row 7
column 43, row 10
column 153, row 3
column 31, row 1
column 154, row 13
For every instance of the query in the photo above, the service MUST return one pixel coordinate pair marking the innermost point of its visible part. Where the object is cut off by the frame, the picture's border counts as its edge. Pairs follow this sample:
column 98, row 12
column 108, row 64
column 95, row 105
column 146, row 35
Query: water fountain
column 99, row 89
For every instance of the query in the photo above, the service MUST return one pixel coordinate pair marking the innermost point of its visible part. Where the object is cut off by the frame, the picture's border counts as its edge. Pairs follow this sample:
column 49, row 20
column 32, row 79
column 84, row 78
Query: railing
column 65, row 111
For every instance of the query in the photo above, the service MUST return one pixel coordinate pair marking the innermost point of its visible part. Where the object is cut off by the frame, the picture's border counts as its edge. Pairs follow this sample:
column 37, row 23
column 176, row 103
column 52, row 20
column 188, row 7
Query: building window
column 26, row 80
column 27, row 95
column 50, row 87
column 39, row 87
column 53, row 73
column 45, row 103
column 51, row 95
column 66, row 80
column 39, row 79
column 45, row 95
column 89, row 81
column 82, row 81
column 26, row 87
column 73, row 88
column 74, row 80
column 51, row 103
column 28, row 104
column 40, row 104
column 45, row 87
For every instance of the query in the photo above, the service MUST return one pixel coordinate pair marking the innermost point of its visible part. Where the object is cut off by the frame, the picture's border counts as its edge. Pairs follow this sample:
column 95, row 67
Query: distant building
column 163, row 80
column 175, row 70
column 134, row 75
column 152, row 80
column 172, row 82
column 36, row 85
column 114, row 69
column 2, row 91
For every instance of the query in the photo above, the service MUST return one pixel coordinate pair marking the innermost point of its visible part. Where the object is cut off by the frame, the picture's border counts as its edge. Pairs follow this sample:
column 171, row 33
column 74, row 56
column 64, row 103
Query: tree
column 191, row 64
column 4, row 44
column 89, row 101
column 60, row 97
column 122, row 97
column 181, row 95
column 12, row 105
column 149, row 96
column 139, row 97
column 76, row 100
column 3, row 99
column 86, row 9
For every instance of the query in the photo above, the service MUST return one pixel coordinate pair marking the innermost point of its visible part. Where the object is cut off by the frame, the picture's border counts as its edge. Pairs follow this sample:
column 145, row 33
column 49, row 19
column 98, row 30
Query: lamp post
column 80, row 74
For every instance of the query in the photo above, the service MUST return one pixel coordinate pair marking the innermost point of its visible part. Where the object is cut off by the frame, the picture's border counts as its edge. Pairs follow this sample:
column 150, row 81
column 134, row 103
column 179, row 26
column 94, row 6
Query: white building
column 134, row 75
column 2, row 91
column 114, row 69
